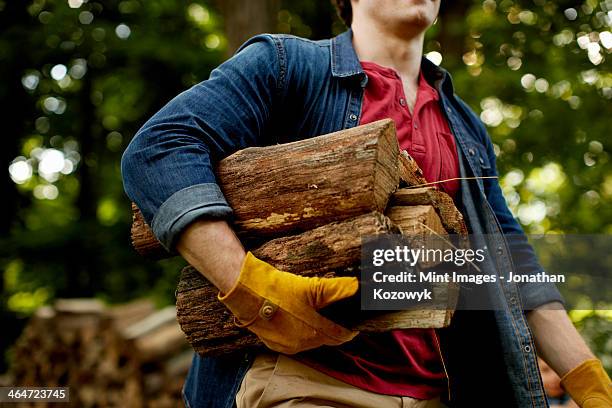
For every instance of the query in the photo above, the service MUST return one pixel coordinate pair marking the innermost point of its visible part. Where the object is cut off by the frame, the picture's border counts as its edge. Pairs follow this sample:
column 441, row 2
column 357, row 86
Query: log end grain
column 450, row 216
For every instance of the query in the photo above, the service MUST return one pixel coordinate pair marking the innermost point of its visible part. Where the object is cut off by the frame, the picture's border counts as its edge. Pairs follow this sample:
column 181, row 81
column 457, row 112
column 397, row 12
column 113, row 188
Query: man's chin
column 417, row 22
column 420, row 15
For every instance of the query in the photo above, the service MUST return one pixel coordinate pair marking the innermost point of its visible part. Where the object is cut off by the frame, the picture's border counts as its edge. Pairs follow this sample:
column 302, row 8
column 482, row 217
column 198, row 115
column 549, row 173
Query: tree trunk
column 246, row 18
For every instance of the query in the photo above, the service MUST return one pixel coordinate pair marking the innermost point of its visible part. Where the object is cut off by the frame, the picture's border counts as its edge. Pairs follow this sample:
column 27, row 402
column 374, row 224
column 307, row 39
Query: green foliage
column 539, row 73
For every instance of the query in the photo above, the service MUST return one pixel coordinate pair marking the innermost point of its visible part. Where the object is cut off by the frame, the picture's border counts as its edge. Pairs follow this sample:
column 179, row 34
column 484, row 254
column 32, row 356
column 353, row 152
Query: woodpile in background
column 304, row 207
column 122, row 356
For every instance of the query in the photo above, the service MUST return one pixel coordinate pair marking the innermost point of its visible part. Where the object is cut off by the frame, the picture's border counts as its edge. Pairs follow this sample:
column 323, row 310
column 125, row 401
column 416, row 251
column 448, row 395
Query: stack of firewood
column 122, row 356
column 304, row 208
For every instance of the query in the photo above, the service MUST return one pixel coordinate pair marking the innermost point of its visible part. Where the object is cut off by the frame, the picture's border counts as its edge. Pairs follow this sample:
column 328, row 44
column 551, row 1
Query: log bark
column 143, row 239
column 211, row 331
column 451, row 217
column 294, row 187
column 330, row 250
column 276, row 190
column 334, row 247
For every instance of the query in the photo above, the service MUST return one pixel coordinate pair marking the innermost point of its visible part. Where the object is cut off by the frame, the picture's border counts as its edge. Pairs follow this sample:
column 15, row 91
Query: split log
column 324, row 251
column 276, row 190
column 414, row 319
column 293, row 187
column 421, row 226
column 410, row 172
column 156, row 336
column 330, row 250
column 451, row 217
column 417, row 221
column 211, row 331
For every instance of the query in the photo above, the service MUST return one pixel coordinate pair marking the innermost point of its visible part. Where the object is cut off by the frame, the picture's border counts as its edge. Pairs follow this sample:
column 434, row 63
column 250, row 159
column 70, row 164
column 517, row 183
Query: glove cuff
column 246, row 304
column 588, row 381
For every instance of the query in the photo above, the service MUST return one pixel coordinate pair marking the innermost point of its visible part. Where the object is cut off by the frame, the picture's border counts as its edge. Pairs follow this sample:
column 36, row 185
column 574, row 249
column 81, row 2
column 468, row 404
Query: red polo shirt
column 401, row 362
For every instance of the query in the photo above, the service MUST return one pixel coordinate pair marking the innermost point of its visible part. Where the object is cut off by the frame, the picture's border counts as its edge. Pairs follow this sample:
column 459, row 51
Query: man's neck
column 402, row 53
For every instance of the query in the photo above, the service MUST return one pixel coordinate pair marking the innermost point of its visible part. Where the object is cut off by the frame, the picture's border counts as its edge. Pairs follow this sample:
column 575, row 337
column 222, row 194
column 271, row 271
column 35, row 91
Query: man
column 280, row 88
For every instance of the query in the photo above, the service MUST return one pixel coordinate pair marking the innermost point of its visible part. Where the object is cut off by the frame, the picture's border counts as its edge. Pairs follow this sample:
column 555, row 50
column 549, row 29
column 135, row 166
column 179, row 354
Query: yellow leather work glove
column 281, row 308
column 589, row 385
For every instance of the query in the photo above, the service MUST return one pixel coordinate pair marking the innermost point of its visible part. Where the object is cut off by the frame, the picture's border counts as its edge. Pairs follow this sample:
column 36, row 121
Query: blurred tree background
column 80, row 76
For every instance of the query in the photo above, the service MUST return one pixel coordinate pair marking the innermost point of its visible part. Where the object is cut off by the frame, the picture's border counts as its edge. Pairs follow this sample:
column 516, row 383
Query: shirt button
column 415, row 125
column 527, row 349
column 481, row 160
column 448, row 110
column 499, row 250
column 471, row 151
column 353, row 117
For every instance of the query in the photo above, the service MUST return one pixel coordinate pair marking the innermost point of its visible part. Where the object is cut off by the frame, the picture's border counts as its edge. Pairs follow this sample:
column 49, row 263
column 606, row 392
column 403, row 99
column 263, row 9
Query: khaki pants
column 278, row 381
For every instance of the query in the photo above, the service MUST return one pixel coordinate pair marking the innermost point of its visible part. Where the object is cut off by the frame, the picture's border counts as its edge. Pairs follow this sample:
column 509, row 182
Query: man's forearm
column 211, row 246
column 557, row 340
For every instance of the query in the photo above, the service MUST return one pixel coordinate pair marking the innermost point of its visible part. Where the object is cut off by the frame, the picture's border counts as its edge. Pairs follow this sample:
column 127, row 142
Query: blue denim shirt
column 280, row 88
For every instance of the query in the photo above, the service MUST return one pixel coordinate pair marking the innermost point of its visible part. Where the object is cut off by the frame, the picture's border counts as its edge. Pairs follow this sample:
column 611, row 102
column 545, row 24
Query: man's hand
column 281, row 308
column 589, row 385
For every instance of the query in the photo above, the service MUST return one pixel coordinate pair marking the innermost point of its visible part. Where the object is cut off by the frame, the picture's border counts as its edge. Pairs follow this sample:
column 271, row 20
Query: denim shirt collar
column 345, row 63
column 344, row 60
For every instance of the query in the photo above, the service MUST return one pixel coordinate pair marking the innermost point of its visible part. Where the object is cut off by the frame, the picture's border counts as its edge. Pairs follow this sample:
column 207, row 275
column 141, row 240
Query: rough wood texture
column 451, row 217
column 414, row 319
column 294, row 187
column 417, row 220
column 325, row 251
column 276, row 190
column 211, row 330
column 332, row 247
column 143, row 239
column 410, row 172
column 421, row 226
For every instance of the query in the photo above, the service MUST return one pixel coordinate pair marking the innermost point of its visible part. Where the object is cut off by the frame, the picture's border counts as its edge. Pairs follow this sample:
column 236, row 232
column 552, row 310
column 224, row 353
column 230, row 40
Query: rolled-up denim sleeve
column 168, row 167
column 523, row 255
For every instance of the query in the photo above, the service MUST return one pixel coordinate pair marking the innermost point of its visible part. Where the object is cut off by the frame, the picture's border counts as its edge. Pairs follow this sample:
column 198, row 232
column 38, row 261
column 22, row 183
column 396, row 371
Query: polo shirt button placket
column 402, row 102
